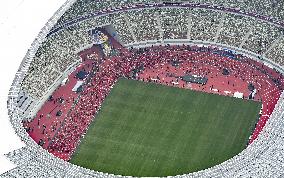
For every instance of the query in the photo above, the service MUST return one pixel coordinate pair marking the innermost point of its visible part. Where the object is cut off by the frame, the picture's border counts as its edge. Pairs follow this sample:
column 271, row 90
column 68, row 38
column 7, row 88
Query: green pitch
column 146, row 129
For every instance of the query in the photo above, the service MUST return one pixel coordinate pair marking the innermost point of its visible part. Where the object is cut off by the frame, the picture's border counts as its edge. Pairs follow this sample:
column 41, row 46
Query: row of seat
column 272, row 8
column 264, row 158
column 260, row 159
column 57, row 52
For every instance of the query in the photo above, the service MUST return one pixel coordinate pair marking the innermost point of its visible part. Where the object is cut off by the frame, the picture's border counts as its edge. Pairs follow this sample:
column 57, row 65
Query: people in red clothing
column 155, row 64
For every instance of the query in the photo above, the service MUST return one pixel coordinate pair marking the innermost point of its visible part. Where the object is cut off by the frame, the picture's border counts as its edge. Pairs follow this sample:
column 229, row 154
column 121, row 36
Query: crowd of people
column 271, row 9
column 52, row 59
column 157, row 63
column 89, row 103
column 164, row 65
column 58, row 52
column 240, row 30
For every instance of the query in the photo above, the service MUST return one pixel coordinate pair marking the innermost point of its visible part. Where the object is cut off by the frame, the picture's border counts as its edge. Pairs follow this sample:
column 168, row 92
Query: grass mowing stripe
column 144, row 129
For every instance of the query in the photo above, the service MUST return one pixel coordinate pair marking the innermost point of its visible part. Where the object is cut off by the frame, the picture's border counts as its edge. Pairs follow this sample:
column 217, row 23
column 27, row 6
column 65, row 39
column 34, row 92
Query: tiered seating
column 122, row 27
column 82, row 7
column 262, row 36
column 102, row 20
column 276, row 54
column 266, row 8
column 78, row 38
column 204, row 24
column 174, row 23
column 53, row 58
column 37, row 81
column 144, row 23
column 234, row 29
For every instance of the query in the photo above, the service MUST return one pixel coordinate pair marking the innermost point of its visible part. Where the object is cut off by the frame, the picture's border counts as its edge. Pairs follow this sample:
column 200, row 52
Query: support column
column 246, row 38
column 130, row 28
column 189, row 25
column 219, row 29
column 273, row 45
column 161, row 31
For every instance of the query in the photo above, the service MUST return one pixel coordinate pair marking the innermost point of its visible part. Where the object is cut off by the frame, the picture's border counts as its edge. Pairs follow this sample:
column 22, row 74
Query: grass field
column 146, row 129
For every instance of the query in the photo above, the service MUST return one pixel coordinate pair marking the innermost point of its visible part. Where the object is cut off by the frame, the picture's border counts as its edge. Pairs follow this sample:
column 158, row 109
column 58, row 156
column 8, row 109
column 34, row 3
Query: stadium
column 152, row 88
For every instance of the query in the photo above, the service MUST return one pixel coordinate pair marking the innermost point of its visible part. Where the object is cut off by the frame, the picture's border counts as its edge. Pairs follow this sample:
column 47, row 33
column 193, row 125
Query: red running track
column 62, row 134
